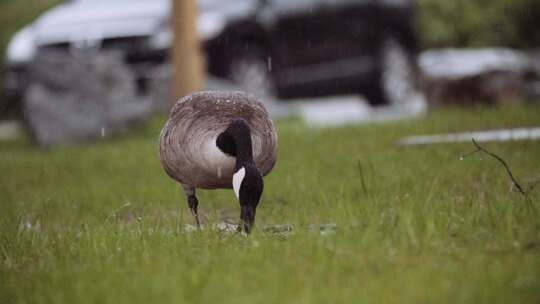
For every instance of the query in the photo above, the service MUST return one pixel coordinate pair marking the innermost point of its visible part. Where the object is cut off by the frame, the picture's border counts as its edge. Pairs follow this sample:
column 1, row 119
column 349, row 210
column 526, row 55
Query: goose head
column 247, row 180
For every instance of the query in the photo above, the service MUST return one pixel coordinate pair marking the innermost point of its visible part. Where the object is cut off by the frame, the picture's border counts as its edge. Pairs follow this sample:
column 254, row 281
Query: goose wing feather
column 188, row 150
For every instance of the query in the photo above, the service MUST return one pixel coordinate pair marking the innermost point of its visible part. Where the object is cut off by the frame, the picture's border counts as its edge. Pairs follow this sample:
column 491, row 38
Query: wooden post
column 188, row 62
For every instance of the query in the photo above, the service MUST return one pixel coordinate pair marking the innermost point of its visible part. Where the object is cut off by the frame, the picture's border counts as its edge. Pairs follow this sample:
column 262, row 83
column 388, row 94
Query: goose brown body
column 188, row 150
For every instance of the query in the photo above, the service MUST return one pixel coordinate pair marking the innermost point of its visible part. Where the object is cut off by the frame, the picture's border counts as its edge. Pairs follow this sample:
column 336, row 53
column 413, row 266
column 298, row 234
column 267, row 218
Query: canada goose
column 220, row 140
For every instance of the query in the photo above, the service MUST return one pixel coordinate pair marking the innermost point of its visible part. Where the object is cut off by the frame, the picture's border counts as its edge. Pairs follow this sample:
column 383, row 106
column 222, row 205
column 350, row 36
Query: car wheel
column 396, row 81
column 251, row 72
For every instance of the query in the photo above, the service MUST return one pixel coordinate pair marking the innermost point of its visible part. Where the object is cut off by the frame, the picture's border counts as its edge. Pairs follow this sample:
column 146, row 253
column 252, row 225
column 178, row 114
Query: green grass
column 103, row 223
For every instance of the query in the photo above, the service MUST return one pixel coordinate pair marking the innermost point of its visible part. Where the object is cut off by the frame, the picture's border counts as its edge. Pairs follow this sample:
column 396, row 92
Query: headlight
column 21, row 48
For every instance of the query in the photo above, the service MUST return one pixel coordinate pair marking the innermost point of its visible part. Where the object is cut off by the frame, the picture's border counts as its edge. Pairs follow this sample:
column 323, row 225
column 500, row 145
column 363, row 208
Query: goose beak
column 247, row 217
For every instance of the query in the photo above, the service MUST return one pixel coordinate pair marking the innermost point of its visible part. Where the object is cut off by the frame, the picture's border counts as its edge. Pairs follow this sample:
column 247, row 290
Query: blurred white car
column 288, row 48
column 140, row 28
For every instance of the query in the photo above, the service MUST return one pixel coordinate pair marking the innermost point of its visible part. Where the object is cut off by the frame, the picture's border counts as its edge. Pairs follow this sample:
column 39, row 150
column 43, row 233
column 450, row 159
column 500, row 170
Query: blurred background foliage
column 14, row 14
column 479, row 23
column 456, row 23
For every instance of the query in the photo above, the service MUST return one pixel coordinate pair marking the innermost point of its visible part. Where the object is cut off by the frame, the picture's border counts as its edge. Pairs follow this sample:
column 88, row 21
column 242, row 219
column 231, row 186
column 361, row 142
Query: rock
column 280, row 228
column 74, row 98
column 474, row 75
column 10, row 129
column 160, row 88
column 226, row 227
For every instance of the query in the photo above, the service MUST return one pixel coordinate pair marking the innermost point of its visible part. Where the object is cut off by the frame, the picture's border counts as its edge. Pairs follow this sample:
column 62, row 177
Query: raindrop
column 102, row 131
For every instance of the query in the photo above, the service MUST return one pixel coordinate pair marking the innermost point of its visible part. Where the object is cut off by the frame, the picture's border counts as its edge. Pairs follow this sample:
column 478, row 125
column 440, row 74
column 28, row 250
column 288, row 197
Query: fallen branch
column 514, row 181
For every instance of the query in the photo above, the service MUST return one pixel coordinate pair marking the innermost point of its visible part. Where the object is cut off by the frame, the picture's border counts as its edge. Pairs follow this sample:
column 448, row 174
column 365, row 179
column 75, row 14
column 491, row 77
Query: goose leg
column 192, row 201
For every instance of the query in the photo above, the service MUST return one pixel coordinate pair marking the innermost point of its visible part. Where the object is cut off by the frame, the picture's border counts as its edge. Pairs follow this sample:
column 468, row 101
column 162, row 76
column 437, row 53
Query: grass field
column 102, row 223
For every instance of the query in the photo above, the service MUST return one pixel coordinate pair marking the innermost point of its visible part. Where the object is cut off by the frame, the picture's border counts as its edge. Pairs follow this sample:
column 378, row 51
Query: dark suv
column 317, row 47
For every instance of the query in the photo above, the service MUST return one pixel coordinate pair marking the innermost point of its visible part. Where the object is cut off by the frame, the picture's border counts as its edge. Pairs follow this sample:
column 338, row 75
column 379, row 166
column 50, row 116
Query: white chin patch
column 237, row 179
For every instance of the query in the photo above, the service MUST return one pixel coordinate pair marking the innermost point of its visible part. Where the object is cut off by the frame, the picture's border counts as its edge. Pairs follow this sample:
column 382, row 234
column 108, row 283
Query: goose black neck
column 236, row 141
column 242, row 139
column 244, row 150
